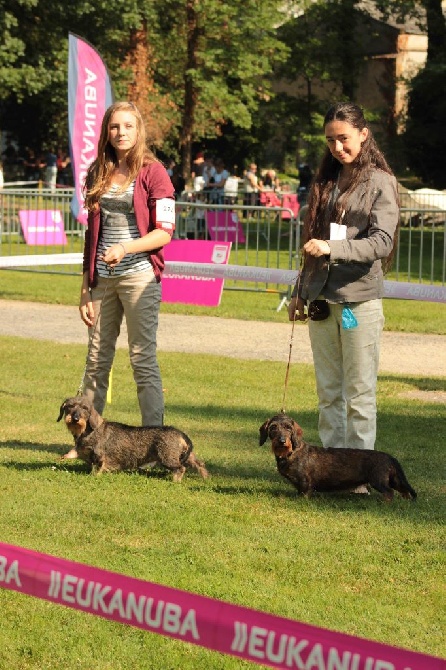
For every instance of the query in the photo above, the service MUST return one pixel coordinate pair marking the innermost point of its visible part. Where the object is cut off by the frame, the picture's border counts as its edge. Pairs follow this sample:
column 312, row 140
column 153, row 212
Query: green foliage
column 234, row 53
column 215, row 63
column 342, row 562
column 317, row 56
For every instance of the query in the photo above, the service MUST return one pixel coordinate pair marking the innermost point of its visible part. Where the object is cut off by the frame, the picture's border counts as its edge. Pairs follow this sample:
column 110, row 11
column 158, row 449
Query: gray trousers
column 346, row 367
column 137, row 297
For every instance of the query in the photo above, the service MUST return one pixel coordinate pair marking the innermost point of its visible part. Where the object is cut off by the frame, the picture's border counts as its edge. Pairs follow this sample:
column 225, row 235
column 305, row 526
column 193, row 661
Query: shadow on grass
column 33, row 446
column 19, row 466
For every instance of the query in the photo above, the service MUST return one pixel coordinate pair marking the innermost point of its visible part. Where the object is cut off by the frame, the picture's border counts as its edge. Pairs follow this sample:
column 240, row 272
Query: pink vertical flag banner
column 230, row 629
column 43, row 227
column 89, row 95
column 194, row 289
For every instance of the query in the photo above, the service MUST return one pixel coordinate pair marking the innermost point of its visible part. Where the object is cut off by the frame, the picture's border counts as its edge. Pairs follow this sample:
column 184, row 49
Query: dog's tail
column 398, row 481
column 188, row 458
column 199, row 465
column 187, row 448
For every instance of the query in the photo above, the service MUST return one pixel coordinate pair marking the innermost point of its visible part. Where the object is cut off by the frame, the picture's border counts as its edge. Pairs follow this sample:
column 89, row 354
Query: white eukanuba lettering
column 9, row 572
column 166, row 617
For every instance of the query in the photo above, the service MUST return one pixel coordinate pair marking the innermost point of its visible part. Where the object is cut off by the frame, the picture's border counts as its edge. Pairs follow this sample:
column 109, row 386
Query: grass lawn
column 348, row 563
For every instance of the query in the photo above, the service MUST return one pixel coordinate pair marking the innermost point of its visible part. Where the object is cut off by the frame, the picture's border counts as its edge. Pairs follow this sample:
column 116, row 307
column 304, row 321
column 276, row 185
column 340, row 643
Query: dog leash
column 80, row 390
column 291, row 342
column 288, row 364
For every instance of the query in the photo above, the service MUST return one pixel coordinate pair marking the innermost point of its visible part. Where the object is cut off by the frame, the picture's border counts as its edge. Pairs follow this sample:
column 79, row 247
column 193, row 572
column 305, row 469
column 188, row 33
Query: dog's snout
column 282, row 439
column 75, row 416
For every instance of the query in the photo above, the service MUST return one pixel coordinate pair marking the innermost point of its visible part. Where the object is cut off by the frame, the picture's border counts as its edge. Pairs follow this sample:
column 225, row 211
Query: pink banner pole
column 230, row 629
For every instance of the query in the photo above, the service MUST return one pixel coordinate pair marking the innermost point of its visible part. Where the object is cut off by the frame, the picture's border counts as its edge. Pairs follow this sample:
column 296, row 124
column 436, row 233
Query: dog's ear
column 95, row 419
column 61, row 411
column 296, row 434
column 263, row 430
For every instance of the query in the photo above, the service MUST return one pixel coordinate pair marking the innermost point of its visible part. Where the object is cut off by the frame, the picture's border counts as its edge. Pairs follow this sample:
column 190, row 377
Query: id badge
column 165, row 213
column 338, row 231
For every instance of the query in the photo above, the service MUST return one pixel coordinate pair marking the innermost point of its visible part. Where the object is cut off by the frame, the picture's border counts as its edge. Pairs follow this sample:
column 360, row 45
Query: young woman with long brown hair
column 131, row 217
column 349, row 236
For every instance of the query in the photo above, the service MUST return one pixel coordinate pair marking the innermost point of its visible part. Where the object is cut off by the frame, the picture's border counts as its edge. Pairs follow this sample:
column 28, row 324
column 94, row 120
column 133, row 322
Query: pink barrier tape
column 230, row 629
column 392, row 289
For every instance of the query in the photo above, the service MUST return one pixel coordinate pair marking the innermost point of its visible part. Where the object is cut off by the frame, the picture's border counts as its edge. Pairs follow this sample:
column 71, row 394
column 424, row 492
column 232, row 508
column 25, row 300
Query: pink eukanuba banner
column 43, row 227
column 194, row 289
column 224, row 226
column 238, row 631
column 89, row 95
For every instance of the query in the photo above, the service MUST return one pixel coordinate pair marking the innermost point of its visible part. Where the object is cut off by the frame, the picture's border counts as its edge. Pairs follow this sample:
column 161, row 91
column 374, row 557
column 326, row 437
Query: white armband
column 165, row 213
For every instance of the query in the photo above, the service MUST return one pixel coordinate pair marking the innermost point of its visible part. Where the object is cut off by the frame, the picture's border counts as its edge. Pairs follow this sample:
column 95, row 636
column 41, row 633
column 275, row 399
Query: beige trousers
column 137, row 297
column 346, row 366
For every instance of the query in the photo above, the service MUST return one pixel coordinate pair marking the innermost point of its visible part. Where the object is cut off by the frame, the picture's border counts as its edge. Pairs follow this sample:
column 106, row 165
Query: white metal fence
column 268, row 237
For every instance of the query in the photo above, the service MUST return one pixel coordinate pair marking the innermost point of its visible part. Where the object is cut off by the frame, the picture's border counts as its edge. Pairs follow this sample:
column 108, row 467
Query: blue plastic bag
column 348, row 319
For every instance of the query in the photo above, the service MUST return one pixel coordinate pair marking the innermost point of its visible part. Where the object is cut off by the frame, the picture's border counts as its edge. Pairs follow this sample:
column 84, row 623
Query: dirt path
column 401, row 353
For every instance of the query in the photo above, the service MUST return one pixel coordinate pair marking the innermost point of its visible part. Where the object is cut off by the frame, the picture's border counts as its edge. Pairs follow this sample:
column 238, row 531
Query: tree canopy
column 201, row 63
column 201, row 71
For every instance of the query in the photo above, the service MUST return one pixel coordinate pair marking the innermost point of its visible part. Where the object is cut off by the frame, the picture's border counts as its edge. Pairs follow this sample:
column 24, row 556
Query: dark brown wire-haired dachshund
column 310, row 468
column 109, row 446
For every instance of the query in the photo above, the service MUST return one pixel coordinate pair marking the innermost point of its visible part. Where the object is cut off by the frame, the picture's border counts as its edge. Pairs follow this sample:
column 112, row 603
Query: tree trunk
column 190, row 91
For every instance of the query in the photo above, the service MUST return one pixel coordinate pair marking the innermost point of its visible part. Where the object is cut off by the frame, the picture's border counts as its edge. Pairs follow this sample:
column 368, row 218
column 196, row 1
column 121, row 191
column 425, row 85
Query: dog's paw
column 71, row 454
column 362, row 490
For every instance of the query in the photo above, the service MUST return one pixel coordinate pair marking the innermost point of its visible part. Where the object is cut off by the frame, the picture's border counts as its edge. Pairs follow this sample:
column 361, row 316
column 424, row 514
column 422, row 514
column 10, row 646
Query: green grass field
column 344, row 562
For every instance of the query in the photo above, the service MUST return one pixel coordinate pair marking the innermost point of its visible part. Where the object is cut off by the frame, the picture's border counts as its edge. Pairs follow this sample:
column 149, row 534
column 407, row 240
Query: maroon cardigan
column 152, row 183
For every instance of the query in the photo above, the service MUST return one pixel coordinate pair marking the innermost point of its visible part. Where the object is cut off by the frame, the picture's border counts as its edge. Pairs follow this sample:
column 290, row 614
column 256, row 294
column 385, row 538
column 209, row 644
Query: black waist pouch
column 318, row 310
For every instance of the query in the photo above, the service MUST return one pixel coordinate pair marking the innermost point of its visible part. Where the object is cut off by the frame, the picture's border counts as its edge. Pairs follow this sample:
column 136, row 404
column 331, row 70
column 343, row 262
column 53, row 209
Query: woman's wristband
column 121, row 245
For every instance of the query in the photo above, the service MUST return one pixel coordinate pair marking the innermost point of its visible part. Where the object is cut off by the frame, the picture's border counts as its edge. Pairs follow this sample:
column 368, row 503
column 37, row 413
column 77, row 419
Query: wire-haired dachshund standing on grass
column 109, row 446
column 310, row 468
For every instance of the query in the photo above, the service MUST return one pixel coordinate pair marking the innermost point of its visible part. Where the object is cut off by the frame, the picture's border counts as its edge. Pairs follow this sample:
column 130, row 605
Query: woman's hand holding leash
column 296, row 309
column 317, row 248
column 114, row 254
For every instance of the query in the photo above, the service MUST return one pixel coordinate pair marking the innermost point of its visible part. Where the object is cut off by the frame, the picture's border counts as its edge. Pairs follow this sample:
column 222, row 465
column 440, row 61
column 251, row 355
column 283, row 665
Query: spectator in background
column 10, row 160
column 197, row 165
column 217, row 187
column 31, row 165
column 63, row 168
column 51, row 169
column 178, row 181
column 170, row 166
column 270, row 181
column 208, row 177
column 252, row 186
